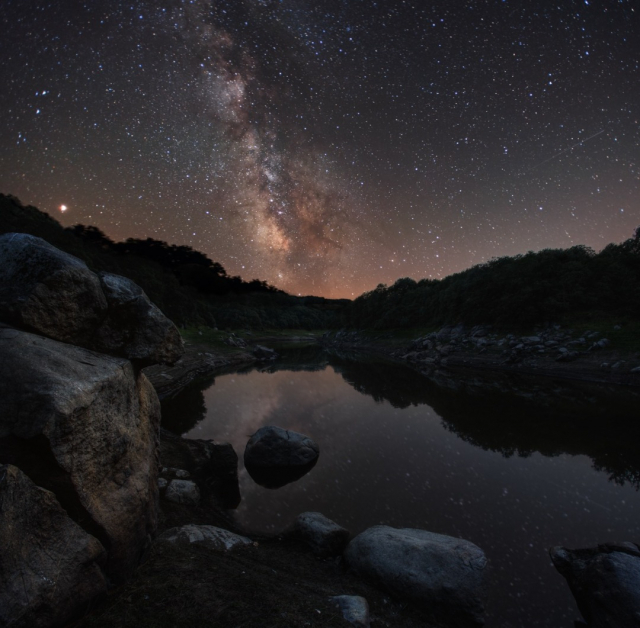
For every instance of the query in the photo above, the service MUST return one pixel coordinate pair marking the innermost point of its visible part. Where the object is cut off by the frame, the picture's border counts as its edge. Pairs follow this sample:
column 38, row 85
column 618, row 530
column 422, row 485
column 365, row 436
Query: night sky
column 326, row 146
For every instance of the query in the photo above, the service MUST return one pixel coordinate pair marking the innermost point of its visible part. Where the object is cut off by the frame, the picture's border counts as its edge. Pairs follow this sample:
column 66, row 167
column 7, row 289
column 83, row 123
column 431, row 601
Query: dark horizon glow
column 328, row 146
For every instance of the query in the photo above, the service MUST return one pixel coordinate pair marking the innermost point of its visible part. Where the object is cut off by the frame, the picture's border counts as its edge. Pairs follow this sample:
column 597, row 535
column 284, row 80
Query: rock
column 134, row 327
column 325, row 537
column 47, row 291
column 354, row 609
column 264, row 353
column 183, row 492
column 569, row 356
column 214, row 466
column 49, row 566
column 216, row 538
column 84, row 426
column 441, row 574
column 605, row 582
column 182, row 474
column 275, row 456
column 162, row 483
column 54, row 294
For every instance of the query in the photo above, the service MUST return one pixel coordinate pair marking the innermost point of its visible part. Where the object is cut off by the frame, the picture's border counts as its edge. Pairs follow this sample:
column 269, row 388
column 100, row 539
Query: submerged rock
column 441, row 574
column 49, row 566
column 52, row 293
column 354, row 608
column 605, row 581
column 216, row 538
column 84, row 426
column 325, row 537
column 275, row 456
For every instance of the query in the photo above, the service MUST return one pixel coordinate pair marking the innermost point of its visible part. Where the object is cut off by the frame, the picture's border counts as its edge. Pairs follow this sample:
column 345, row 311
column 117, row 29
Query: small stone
column 162, row 483
column 354, row 608
column 325, row 537
column 183, row 492
column 182, row 474
column 216, row 538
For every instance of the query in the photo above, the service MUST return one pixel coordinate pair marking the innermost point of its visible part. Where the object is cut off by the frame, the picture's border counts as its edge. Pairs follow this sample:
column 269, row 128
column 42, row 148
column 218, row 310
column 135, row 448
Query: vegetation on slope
column 553, row 285
column 185, row 284
column 560, row 285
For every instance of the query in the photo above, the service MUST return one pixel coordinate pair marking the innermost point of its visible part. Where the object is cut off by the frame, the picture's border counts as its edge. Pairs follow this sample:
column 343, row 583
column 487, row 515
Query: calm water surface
column 514, row 466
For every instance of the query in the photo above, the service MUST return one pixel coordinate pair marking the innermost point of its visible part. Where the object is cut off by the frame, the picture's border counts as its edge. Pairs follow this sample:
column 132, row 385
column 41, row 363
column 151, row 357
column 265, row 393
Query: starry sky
column 326, row 146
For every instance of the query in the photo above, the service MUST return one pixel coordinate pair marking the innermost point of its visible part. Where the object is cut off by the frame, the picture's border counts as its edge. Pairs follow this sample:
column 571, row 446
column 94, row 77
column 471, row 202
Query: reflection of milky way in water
column 398, row 466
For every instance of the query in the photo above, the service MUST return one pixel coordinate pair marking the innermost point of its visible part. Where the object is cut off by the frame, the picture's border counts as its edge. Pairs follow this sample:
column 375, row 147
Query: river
column 514, row 465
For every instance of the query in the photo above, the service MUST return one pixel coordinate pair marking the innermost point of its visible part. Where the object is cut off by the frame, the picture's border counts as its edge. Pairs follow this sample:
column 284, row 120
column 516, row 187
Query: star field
column 328, row 146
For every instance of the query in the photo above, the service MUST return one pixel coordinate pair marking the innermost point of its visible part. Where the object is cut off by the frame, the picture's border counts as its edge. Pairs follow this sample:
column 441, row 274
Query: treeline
column 552, row 285
column 184, row 283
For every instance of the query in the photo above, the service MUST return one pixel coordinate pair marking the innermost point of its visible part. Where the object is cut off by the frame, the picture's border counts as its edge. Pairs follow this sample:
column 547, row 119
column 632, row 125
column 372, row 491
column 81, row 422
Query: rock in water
column 49, row 566
column 52, row 293
column 275, row 456
column 605, row 582
column 84, row 426
column 441, row 574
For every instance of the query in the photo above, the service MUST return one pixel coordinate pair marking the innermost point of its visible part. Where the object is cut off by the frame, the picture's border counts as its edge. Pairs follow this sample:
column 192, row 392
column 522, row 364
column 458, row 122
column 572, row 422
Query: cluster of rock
column 78, row 430
column 441, row 575
column 551, row 343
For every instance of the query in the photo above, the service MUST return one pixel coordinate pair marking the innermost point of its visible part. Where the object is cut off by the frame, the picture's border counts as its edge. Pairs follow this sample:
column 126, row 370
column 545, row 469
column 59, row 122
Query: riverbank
column 577, row 354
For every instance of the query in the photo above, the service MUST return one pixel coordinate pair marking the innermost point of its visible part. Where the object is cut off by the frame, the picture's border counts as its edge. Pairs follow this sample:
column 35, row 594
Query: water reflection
column 511, row 464
column 513, row 415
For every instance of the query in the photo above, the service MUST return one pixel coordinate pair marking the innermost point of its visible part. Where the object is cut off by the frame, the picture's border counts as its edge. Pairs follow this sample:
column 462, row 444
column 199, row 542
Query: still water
column 515, row 466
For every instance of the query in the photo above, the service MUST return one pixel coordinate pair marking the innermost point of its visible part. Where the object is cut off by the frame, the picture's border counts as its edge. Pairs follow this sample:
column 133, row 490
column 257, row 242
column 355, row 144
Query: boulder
column 275, row 456
column 134, row 327
column 325, row 537
column 211, row 536
column 442, row 575
column 605, row 581
column 354, row 608
column 214, row 466
column 49, row 566
column 183, row 492
column 84, row 426
column 47, row 291
column 52, row 293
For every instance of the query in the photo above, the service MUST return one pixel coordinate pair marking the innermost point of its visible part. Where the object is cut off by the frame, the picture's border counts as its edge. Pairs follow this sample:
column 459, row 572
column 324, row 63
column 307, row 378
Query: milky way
column 332, row 145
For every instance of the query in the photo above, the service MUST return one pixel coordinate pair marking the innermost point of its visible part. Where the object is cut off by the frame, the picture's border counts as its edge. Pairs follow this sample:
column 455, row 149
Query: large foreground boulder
column 275, row 456
column 47, row 291
column 49, row 566
column 84, row 426
column 441, row 574
column 605, row 582
column 52, row 293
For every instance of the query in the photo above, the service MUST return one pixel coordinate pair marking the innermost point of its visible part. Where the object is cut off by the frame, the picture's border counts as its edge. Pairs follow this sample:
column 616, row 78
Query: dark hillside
column 560, row 285
column 184, row 283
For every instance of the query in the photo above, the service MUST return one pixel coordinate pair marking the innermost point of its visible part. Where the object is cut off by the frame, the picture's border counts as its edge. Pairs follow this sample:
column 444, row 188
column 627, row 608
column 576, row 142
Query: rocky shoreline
column 551, row 352
column 108, row 520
